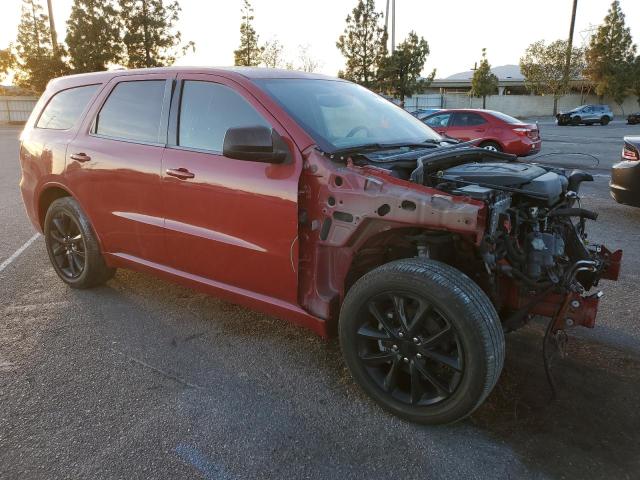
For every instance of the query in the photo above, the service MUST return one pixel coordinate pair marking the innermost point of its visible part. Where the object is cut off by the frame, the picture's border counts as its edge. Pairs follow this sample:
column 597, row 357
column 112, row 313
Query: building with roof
column 510, row 82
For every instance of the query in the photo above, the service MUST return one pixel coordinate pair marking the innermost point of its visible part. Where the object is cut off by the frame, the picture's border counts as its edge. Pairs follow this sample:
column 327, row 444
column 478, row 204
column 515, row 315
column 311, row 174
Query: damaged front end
column 517, row 229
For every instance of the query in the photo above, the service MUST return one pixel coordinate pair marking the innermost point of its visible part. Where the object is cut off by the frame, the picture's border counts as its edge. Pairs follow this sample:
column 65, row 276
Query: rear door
column 230, row 221
column 467, row 126
column 113, row 165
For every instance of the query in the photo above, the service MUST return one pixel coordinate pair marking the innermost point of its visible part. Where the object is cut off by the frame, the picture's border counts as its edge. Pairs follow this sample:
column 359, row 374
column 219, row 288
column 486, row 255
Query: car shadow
column 590, row 430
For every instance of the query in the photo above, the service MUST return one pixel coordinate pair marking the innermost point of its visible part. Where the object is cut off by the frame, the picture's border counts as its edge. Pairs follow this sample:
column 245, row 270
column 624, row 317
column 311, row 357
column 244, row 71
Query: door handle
column 181, row 173
column 80, row 157
column 479, row 130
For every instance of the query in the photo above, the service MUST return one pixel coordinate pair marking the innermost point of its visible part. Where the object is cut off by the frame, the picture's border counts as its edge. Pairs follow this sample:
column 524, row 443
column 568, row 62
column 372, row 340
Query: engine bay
column 534, row 246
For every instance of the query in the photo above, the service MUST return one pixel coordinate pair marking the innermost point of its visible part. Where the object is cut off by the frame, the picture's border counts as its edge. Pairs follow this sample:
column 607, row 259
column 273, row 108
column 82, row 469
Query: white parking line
column 17, row 253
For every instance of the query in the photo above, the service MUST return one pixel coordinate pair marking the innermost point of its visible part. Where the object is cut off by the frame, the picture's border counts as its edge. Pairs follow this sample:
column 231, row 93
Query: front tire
column 605, row 120
column 422, row 339
column 73, row 247
column 576, row 121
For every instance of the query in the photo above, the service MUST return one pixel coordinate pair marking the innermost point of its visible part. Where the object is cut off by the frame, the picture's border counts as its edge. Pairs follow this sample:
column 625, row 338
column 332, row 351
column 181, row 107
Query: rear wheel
column 72, row 245
column 422, row 339
column 605, row 120
column 491, row 146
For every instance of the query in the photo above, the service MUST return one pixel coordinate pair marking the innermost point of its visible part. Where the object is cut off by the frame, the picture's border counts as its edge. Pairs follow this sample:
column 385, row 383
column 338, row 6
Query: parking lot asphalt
column 144, row 379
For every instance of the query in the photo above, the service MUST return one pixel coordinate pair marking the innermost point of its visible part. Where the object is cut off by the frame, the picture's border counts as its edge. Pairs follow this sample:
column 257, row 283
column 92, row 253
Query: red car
column 313, row 199
column 492, row 130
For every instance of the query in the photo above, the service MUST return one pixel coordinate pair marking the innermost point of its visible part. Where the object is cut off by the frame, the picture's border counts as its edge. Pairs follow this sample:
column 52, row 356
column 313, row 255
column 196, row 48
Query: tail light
column 526, row 132
column 630, row 153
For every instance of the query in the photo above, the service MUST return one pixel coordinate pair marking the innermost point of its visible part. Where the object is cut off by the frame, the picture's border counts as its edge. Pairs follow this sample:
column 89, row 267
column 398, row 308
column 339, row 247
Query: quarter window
column 208, row 110
column 133, row 111
column 65, row 108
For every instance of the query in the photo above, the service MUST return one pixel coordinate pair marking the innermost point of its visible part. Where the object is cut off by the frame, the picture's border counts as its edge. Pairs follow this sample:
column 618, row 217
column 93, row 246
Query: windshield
column 342, row 115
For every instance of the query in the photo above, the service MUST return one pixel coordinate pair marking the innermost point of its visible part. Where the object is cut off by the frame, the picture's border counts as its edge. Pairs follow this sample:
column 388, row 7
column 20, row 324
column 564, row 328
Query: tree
column 36, row 62
column 483, row 82
column 610, row 55
column 308, row 63
column 6, row 62
column 636, row 79
column 363, row 44
column 249, row 54
column 272, row 54
column 93, row 35
column 543, row 68
column 150, row 38
column 399, row 73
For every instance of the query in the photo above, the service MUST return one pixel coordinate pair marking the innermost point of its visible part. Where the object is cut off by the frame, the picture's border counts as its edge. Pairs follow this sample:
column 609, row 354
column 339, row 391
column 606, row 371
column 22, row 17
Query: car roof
column 251, row 73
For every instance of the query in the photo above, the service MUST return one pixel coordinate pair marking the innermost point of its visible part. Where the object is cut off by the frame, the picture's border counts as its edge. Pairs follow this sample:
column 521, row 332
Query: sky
column 456, row 30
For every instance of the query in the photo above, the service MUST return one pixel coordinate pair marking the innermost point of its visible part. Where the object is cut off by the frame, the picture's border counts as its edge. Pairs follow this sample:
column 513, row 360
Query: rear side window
column 133, row 111
column 207, row 110
column 65, row 108
column 467, row 119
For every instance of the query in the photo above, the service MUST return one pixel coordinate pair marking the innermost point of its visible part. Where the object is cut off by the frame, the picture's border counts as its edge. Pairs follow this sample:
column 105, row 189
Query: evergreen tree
column 363, row 44
column 149, row 33
column 93, row 35
column 610, row 55
column 543, row 68
column 36, row 62
column 483, row 82
column 636, row 79
column 249, row 54
column 399, row 73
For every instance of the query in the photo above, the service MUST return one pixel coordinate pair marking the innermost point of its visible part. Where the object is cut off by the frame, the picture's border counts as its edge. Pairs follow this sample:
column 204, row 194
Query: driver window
column 208, row 110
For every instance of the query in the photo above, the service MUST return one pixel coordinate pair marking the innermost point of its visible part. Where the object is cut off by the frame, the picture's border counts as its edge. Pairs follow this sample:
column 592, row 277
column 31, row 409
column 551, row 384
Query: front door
column 230, row 221
column 439, row 122
column 113, row 165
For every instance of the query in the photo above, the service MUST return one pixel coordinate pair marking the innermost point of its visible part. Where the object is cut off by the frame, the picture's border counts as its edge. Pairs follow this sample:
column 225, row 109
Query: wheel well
column 398, row 244
column 47, row 198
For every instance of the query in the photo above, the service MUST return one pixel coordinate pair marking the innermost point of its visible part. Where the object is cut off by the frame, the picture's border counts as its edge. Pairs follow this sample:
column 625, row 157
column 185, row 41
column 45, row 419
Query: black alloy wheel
column 67, row 245
column 72, row 245
column 410, row 349
column 422, row 339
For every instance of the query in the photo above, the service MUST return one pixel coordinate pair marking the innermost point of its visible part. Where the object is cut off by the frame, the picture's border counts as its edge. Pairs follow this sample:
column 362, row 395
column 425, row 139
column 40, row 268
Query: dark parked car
column 633, row 118
column 586, row 114
column 492, row 130
column 625, row 176
column 313, row 199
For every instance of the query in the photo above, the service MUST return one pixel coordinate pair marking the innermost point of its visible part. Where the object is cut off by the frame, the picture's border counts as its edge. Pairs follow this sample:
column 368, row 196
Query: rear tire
column 605, row 120
column 422, row 339
column 73, row 247
column 491, row 146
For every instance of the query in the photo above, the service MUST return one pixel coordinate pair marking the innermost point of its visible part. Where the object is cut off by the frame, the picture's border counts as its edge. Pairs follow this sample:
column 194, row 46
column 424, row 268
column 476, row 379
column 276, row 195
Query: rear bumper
column 524, row 147
column 625, row 183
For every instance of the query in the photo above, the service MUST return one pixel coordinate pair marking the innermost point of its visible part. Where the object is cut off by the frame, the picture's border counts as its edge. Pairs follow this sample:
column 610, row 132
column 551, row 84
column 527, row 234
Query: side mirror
column 256, row 144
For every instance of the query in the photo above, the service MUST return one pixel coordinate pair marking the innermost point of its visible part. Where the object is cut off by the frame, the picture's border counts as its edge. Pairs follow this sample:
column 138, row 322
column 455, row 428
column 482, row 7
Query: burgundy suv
column 312, row 199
